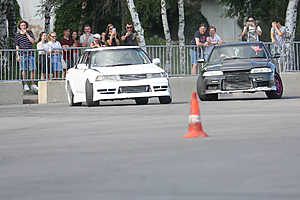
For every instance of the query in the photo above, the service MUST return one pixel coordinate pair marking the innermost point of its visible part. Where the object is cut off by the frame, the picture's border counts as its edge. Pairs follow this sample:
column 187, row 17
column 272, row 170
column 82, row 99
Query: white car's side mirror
column 156, row 61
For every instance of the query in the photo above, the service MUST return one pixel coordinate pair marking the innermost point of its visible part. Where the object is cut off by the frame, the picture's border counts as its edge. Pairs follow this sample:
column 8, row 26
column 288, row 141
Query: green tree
column 263, row 11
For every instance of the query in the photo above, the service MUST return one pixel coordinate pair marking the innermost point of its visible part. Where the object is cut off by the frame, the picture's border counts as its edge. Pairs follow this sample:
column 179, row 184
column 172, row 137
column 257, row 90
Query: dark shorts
column 44, row 64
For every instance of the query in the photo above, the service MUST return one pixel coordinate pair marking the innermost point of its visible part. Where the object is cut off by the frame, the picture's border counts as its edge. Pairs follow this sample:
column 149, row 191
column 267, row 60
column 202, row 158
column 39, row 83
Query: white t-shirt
column 216, row 38
column 279, row 39
column 251, row 33
column 42, row 46
column 54, row 45
column 90, row 40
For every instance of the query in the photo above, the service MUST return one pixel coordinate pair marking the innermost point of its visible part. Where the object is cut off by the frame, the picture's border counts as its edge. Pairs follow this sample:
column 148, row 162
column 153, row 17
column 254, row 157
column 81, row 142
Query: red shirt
column 69, row 42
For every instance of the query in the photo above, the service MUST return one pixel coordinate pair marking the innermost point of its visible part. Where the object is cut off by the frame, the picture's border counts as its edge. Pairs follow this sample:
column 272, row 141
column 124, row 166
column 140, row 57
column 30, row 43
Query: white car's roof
column 111, row 48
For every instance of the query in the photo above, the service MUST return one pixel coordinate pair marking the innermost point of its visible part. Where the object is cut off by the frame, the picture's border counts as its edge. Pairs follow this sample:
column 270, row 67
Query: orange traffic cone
column 195, row 126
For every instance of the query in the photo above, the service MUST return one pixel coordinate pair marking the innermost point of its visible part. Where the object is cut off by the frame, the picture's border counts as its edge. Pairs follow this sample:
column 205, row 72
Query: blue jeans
column 27, row 62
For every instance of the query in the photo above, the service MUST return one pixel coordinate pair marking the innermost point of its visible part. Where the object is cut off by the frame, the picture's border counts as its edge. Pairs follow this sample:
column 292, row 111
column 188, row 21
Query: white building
column 28, row 12
column 227, row 28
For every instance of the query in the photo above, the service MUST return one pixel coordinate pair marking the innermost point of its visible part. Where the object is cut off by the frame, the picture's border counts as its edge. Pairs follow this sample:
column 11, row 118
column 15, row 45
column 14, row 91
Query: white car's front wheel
column 165, row 99
column 141, row 100
column 70, row 96
column 89, row 94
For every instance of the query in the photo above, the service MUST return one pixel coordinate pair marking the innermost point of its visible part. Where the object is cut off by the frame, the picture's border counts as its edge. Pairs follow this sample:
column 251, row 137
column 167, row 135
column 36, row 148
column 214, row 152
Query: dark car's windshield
column 119, row 57
column 219, row 54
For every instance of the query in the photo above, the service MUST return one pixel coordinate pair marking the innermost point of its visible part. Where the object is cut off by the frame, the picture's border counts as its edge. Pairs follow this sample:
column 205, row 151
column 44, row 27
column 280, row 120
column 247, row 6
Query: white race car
column 116, row 73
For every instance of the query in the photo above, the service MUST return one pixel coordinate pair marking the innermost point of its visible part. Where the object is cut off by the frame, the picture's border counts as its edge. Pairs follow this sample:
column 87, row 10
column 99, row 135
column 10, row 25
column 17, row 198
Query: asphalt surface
column 130, row 152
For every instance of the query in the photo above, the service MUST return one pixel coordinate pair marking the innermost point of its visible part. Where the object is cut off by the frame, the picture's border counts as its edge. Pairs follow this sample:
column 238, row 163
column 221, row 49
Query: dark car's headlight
column 213, row 73
column 261, row 70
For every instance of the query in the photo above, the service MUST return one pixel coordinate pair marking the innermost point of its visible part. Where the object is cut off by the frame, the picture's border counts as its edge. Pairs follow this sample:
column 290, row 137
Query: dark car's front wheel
column 276, row 94
column 201, row 90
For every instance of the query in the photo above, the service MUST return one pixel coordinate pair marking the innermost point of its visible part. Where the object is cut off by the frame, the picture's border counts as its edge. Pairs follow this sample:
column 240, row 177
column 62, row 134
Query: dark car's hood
column 233, row 65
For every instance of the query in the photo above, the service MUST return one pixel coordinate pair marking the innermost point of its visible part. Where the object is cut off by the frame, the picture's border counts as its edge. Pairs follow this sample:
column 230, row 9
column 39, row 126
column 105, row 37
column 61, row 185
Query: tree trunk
column 181, row 35
column 137, row 24
column 83, row 7
column 12, row 25
column 167, row 35
column 47, row 16
column 288, row 53
column 3, row 23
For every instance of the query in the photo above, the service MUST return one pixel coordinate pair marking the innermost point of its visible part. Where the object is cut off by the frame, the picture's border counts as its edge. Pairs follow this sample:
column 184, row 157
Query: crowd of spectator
column 64, row 53
column 204, row 39
column 55, row 57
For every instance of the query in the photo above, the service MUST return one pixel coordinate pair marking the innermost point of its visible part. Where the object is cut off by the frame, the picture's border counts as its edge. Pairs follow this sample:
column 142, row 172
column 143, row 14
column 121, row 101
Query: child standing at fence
column 55, row 54
column 24, row 41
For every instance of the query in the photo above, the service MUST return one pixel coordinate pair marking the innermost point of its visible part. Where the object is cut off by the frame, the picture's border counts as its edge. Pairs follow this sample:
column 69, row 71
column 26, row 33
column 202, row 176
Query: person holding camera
column 111, row 36
column 277, row 33
column 129, row 36
column 251, row 31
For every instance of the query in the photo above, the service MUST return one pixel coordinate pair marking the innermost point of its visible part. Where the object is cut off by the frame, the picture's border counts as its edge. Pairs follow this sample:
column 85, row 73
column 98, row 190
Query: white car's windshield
column 119, row 57
column 219, row 54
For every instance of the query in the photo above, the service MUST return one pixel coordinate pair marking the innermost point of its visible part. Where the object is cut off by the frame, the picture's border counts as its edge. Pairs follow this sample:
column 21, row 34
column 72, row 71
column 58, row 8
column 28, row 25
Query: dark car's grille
column 134, row 89
column 236, row 80
column 131, row 77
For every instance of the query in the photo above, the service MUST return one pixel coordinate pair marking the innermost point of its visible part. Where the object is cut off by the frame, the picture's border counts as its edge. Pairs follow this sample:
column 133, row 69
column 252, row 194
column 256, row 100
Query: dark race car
column 239, row 67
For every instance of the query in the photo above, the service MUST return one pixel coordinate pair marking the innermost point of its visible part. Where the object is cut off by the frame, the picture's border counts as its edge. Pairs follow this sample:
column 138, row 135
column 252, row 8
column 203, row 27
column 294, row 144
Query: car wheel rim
column 278, row 84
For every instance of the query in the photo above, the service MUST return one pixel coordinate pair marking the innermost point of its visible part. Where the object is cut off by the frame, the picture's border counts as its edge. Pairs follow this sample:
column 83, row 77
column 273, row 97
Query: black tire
column 141, row 100
column 70, row 96
column 165, row 99
column 89, row 94
column 276, row 94
column 200, row 91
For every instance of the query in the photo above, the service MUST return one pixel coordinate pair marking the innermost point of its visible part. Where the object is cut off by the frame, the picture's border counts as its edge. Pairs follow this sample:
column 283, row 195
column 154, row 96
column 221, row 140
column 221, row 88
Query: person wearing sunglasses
column 251, row 31
column 129, row 36
column 55, row 50
column 111, row 36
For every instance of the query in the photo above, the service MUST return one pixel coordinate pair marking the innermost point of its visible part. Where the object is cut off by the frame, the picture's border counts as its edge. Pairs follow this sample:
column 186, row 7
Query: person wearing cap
column 96, row 42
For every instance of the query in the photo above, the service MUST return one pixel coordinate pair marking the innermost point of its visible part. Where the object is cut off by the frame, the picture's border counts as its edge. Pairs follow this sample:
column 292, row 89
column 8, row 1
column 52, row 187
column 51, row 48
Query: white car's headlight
column 99, row 78
column 158, row 75
column 213, row 73
column 108, row 77
column 261, row 70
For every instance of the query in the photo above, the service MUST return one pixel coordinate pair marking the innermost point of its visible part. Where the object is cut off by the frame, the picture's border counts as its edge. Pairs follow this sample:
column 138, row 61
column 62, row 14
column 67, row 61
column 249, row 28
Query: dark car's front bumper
column 233, row 82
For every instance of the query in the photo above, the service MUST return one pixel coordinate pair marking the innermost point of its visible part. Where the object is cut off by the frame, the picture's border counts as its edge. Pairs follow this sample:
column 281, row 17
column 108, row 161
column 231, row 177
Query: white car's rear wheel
column 141, row 100
column 70, row 96
column 89, row 94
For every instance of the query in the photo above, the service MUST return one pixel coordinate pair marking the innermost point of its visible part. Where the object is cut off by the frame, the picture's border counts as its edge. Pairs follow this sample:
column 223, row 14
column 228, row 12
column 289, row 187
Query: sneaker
column 34, row 88
column 26, row 88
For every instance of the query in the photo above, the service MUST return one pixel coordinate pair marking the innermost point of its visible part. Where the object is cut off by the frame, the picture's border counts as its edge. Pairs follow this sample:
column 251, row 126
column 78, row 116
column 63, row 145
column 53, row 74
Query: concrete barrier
column 54, row 91
column 11, row 92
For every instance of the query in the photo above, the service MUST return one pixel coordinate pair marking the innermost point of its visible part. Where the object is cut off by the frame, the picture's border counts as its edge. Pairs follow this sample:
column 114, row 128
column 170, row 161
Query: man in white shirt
column 251, row 31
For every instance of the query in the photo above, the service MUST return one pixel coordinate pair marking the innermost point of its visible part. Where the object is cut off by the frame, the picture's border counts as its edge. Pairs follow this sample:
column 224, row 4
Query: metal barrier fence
column 35, row 65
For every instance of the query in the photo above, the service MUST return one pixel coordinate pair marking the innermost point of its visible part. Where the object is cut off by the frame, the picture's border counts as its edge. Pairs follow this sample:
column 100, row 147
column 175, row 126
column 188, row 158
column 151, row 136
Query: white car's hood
column 129, row 69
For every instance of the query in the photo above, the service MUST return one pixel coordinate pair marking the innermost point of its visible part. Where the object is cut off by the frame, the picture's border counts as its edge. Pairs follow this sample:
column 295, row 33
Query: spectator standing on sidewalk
column 201, row 40
column 54, row 48
column 75, row 52
column 67, row 42
column 44, row 64
column 251, row 31
column 129, row 36
column 213, row 38
column 86, row 38
column 24, row 40
column 278, row 34
column 111, row 36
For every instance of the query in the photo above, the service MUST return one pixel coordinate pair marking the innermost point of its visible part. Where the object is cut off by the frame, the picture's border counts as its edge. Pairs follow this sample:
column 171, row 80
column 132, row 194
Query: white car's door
column 80, row 78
